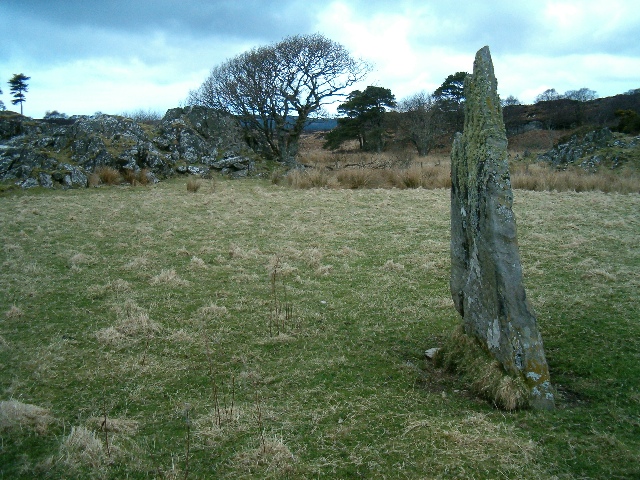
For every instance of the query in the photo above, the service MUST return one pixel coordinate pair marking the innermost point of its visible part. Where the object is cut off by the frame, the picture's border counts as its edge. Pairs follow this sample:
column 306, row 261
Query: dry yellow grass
column 194, row 184
column 353, row 169
column 82, row 447
column 272, row 456
column 108, row 175
column 15, row 415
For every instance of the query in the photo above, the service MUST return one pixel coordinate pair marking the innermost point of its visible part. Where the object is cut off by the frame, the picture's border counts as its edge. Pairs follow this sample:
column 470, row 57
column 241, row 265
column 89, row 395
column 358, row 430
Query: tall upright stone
column 486, row 275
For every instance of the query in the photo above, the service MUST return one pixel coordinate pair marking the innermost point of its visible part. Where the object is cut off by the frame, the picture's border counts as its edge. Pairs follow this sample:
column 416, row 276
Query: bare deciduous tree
column 548, row 95
column 276, row 90
column 582, row 95
column 420, row 121
column 510, row 100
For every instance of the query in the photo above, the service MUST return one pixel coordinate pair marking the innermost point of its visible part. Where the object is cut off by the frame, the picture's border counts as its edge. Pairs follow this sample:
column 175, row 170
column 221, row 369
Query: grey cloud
column 61, row 30
column 509, row 27
column 254, row 18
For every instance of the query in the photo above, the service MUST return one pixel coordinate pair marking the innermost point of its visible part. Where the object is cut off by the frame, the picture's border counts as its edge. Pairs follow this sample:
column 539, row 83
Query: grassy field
column 250, row 330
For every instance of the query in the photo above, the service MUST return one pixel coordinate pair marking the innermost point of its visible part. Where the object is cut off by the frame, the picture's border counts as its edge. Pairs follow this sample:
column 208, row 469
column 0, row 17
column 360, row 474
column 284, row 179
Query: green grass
column 155, row 307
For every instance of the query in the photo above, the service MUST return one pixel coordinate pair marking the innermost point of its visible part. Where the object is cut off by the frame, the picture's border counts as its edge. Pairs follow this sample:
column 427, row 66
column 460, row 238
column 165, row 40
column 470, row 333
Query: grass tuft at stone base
column 485, row 376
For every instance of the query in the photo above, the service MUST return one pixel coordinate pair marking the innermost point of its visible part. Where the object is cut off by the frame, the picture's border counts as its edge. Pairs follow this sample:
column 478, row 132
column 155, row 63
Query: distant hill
column 321, row 124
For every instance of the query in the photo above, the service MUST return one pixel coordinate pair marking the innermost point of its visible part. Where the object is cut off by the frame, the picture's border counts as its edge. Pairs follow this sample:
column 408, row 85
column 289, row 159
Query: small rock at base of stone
column 431, row 353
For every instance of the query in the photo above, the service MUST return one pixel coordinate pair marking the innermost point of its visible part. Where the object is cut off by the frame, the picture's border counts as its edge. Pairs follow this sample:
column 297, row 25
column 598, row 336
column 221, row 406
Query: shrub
column 629, row 121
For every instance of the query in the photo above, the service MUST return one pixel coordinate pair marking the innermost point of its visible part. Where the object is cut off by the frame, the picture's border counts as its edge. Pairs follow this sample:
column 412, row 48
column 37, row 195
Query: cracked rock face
column 63, row 153
column 486, row 275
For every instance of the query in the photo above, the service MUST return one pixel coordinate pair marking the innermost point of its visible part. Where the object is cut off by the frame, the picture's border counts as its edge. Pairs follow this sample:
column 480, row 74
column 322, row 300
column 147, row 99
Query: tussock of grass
column 213, row 311
column 324, row 270
column 137, row 263
column 272, row 455
column 356, row 178
column 15, row 415
column 82, row 447
column 133, row 322
column 197, row 263
column 169, row 277
column 213, row 426
column 315, row 178
column 313, row 256
column 392, row 266
column 13, row 312
column 137, row 325
column 80, row 259
column 108, row 176
column 486, row 377
column 416, row 176
column 193, row 184
column 136, row 178
column 181, row 336
column 109, row 335
column 93, row 180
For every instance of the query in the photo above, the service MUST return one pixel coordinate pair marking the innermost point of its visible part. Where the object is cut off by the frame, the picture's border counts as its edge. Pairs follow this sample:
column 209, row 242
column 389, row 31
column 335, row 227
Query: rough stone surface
column 64, row 152
column 486, row 275
column 594, row 150
column 431, row 353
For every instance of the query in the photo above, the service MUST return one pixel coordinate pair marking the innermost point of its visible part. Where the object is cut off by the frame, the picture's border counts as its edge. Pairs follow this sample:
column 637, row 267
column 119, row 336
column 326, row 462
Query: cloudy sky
column 85, row 56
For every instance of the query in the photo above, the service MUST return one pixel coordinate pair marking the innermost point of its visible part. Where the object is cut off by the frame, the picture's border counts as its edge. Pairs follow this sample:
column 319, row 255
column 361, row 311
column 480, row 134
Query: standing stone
column 486, row 276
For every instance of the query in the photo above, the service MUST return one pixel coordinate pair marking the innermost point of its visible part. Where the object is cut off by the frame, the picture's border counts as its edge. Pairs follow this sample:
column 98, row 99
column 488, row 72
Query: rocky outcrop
column 64, row 152
column 486, row 275
column 593, row 150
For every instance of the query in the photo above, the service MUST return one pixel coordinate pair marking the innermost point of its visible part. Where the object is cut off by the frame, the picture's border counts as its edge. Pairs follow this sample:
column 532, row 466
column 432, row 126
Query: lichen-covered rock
column 65, row 151
column 10, row 124
column 593, row 150
column 486, row 275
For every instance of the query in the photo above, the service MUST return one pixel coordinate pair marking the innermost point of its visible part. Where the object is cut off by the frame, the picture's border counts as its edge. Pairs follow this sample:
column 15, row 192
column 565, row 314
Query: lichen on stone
column 486, row 276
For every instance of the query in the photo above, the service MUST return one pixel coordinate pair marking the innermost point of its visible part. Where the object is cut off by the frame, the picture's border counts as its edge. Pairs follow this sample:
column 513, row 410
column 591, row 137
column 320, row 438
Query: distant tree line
column 373, row 117
column 277, row 90
column 582, row 95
